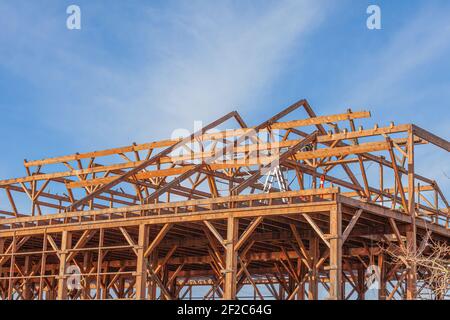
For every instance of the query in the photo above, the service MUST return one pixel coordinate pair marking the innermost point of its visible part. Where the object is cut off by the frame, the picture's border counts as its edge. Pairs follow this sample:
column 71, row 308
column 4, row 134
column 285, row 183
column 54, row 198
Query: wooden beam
column 411, row 234
column 204, row 137
column 215, row 233
column 432, row 138
column 129, row 240
column 248, row 232
column 231, row 259
column 397, row 176
column 148, row 162
column 141, row 264
column 336, row 253
column 161, row 234
column 316, row 229
column 62, row 281
column 351, row 225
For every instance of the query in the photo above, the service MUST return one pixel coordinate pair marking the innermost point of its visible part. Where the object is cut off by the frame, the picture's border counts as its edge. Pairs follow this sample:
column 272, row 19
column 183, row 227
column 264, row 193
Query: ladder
column 275, row 173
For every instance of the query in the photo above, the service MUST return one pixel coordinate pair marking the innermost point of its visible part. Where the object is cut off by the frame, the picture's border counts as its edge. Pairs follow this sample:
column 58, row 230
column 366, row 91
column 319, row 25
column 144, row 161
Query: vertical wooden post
column 2, row 245
column 105, row 290
column 382, row 180
column 231, row 259
column 301, row 274
column 313, row 283
column 27, row 293
column 411, row 277
column 2, row 251
column 151, row 283
column 141, row 266
column 382, row 284
column 11, row 268
column 87, row 260
column 336, row 253
column 121, row 287
column 98, row 286
column 281, row 290
column 165, row 278
column 361, row 283
column 66, row 243
column 43, row 265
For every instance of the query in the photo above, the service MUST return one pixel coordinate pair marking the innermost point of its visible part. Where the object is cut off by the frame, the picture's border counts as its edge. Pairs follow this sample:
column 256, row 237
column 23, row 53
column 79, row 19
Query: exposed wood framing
column 158, row 219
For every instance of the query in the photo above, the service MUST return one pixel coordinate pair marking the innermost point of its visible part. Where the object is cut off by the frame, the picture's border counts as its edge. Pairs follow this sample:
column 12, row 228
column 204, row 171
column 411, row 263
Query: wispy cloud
column 395, row 83
column 191, row 61
column 217, row 57
column 387, row 76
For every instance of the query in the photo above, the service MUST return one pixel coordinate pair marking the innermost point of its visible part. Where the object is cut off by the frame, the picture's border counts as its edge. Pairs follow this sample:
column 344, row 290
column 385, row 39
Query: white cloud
column 196, row 60
column 386, row 74
column 218, row 57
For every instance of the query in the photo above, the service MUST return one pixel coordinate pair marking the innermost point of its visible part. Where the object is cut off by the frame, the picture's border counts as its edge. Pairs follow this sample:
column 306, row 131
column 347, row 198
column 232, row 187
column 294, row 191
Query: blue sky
column 139, row 69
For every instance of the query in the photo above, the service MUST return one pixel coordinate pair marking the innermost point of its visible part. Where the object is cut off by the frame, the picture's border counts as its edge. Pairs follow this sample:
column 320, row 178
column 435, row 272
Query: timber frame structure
column 155, row 220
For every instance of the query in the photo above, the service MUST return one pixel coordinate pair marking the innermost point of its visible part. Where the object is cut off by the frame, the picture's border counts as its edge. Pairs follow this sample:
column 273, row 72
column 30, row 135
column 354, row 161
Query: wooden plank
column 396, row 233
column 141, row 264
column 432, row 138
column 351, row 225
column 161, row 234
column 129, row 240
column 248, row 232
column 189, row 203
column 336, row 254
column 215, row 233
column 203, row 137
column 317, row 229
column 411, row 233
column 278, row 159
column 303, row 251
column 397, row 176
column 231, row 259
column 146, row 163
column 85, row 237
column 62, row 281
column 176, row 218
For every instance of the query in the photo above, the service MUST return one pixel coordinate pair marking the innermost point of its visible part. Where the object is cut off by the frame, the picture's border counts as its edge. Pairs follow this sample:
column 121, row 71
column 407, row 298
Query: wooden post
column 98, row 286
column 66, row 243
column 411, row 277
column 301, row 274
column 151, row 283
column 382, row 181
column 336, row 253
column 141, row 267
column 382, row 284
column 361, row 283
column 11, row 268
column 105, row 293
column 121, row 287
column 281, row 290
column 43, row 264
column 87, row 261
column 314, row 252
column 231, row 259
column 27, row 291
column 2, row 250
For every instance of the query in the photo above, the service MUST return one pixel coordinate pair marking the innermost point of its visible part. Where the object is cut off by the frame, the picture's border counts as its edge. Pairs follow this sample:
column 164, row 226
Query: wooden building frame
column 155, row 220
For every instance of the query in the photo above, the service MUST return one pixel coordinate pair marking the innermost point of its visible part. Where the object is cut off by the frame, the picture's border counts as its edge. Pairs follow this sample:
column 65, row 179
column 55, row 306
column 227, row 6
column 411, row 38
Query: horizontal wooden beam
column 266, row 211
column 432, row 138
column 203, row 137
column 191, row 203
